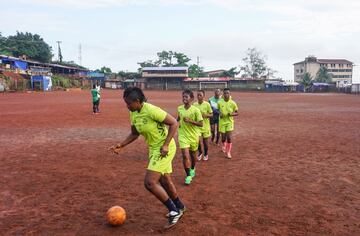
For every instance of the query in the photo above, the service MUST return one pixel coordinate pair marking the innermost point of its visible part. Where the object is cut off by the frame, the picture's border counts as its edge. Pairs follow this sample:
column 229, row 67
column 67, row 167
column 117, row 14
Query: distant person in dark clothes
column 214, row 120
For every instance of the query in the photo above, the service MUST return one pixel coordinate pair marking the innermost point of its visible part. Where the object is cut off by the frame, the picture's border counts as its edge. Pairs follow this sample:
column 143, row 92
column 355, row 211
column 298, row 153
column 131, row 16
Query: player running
column 205, row 131
column 151, row 121
column 214, row 120
column 228, row 109
column 190, row 119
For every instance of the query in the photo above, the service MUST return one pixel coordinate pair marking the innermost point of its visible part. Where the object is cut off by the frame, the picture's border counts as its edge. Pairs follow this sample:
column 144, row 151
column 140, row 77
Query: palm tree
column 323, row 75
column 306, row 81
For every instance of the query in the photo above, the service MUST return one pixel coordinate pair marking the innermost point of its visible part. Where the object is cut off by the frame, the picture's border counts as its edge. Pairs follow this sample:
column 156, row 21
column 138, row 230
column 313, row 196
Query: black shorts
column 214, row 120
column 96, row 103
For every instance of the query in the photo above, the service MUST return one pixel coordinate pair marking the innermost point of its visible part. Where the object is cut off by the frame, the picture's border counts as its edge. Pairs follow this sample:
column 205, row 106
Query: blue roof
column 321, row 84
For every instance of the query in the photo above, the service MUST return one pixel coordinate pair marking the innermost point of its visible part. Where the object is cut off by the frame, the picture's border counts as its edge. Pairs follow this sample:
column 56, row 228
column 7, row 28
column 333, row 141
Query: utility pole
column 59, row 52
column 197, row 61
column 80, row 57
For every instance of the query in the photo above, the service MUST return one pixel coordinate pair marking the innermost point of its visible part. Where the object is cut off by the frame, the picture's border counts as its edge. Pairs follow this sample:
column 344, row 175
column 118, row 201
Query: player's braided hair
column 188, row 92
column 201, row 91
column 133, row 94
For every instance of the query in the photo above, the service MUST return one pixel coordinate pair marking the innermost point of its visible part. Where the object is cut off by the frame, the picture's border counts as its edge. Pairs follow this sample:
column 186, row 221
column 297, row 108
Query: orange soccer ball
column 116, row 215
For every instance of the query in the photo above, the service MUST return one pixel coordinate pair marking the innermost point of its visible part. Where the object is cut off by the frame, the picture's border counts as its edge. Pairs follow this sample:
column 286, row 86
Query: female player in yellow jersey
column 228, row 109
column 205, row 131
column 190, row 119
column 150, row 121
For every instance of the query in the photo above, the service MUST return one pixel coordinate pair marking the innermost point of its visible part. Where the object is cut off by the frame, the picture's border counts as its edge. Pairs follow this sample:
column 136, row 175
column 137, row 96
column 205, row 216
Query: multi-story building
column 340, row 69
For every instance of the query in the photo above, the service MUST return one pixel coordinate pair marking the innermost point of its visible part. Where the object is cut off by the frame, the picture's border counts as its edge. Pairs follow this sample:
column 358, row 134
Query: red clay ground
column 295, row 168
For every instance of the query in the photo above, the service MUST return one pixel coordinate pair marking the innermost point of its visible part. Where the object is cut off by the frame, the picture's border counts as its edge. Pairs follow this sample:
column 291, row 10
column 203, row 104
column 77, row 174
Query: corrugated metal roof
column 334, row 61
column 328, row 61
column 165, row 68
column 207, row 79
column 42, row 63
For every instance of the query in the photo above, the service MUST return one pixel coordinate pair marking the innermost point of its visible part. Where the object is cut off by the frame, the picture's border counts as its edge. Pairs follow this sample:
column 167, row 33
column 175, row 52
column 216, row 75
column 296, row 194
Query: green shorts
column 223, row 128
column 191, row 144
column 161, row 164
column 206, row 133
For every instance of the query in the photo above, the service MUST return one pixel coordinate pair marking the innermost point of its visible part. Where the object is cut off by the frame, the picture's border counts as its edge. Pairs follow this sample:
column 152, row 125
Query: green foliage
column 64, row 82
column 255, row 64
column 196, row 71
column 31, row 45
column 323, row 75
column 306, row 81
column 4, row 49
column 167, row 59
column 181, row 59
column 104, row 69
column 148, row 63
column 230, row 73
column 70, row 63
column 129, row 75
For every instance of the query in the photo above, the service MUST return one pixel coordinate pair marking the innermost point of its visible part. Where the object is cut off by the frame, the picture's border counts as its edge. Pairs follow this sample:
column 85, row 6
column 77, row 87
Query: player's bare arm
column 209, row 115
column 134, row 134
column 173, row 125
column 197, row 123
column 235, row 113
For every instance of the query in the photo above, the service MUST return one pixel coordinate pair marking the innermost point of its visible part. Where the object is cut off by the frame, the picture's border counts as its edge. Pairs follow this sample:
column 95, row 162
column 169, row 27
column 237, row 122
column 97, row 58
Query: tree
column 181, row 59
column 306, row 81
column 104, row 69
column 167, row 59
column 69, row 63
column 230, row 73
column 323, row 75
column 196, row 71
column 5, row 49
column 255, row 64
column 129, row 75
column 31, row 45
column 148, row 63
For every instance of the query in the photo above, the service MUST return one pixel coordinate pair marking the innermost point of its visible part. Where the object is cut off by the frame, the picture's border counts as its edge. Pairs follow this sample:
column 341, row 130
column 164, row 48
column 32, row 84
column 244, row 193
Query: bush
column 64, row 82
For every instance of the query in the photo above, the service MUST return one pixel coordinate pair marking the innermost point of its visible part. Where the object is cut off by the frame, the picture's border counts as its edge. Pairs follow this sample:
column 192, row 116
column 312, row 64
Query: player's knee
column 149, row 184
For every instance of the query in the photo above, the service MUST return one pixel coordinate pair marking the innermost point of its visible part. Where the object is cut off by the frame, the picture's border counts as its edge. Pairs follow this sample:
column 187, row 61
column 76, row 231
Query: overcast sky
column 120, row 33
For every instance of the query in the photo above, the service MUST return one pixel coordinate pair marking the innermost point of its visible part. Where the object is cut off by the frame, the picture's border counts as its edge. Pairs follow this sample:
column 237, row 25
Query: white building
column 340, row 69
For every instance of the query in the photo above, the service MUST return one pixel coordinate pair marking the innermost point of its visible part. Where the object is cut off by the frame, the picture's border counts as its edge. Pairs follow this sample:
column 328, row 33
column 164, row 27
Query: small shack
column 41, row 82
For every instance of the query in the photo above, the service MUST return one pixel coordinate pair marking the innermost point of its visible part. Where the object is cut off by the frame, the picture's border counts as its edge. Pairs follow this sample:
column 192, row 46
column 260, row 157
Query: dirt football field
column 295, row 168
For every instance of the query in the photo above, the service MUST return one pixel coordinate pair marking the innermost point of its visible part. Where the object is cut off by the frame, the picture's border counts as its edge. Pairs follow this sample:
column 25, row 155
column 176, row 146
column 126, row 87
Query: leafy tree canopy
column 28, row 44
column 167, row 59
column 306, row 81
column 104, row 69
column 254, row 64
column 323, row 75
